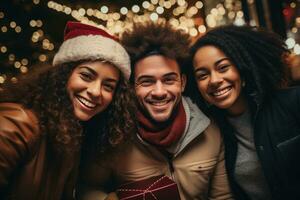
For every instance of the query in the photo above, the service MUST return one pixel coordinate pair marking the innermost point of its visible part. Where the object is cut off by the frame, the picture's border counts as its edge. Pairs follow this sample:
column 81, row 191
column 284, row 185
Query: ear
column 183, row 82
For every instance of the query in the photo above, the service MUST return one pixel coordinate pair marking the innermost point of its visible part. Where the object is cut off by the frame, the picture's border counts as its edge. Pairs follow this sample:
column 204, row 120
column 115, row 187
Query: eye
column 169, row 80
column 145, row 82
column 86, row 76
column 109, row 87
column 223, row 68
column 201, row 76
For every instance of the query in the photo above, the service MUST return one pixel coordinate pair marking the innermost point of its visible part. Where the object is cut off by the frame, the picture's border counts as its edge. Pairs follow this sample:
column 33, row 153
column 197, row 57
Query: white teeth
column 221, row 92
column 160, row 103
column 86, row 102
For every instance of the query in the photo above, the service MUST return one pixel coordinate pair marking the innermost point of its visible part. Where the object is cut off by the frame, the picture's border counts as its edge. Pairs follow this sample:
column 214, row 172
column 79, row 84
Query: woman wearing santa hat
column 80, row 105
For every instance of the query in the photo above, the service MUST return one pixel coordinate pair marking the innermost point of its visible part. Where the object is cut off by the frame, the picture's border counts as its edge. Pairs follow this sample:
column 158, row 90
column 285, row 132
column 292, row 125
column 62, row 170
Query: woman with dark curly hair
column 81, row 105
column 240, row 76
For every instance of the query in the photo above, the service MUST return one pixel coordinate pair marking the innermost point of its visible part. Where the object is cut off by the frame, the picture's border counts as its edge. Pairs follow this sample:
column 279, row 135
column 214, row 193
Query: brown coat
column 28, row 170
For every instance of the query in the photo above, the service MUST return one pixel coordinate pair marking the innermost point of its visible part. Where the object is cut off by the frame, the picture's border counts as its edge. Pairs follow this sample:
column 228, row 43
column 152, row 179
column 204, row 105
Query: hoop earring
column 243, row 83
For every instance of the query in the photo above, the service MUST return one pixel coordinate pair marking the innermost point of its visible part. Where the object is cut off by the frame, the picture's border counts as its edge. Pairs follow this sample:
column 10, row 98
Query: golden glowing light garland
column 177, row 12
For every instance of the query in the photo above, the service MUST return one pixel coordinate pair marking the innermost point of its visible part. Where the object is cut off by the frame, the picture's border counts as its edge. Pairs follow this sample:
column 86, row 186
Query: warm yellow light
column 192, row 10
column 1, row 15
column 167, row 4
column 154, row 16
column 181, row 2
column 68, row 10
column 202, row 29
column 294, row 29
column 40, row 32
column 59, row 7
column 154, row 2
column 214, row 11
column 293, row 5
column 151, row 7
column 4, row 29
column 199, row 4
column 2, row 79
column 3, row 49
column 51, row 47
column 35, row 36
column 24, row 61
column 221, row 10
column 174, row 22
column 24, row 69
column 11, row 57
column 32, row 23
column 46, row 44
column 13, row 24
column 160, row 10
column 75, row 14
column 210, row 20
column 14, row 80
column 42, row 57
column 193, row 32
column 39, row 23
column 123, row 10
column 90, row 12
column 231, row 15
column 81, row 11
column 104, row 9
column 50, row 4
column 135, row 8
column 116, row 16
column 18, row 29
column 240, row 14
column 36, row 1
column 17, row 64
column 146, row 4
column 175, row 12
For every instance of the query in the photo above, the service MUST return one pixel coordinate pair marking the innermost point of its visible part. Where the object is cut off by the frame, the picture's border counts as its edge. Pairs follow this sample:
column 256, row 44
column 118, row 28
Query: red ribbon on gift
column 150, row 189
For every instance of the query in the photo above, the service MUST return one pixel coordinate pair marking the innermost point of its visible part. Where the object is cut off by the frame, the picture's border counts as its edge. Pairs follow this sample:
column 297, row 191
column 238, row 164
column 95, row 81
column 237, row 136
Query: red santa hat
column 85, row 42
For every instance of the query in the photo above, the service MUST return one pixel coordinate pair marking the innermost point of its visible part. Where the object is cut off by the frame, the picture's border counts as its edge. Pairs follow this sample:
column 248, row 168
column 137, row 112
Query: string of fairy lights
column 195, row 18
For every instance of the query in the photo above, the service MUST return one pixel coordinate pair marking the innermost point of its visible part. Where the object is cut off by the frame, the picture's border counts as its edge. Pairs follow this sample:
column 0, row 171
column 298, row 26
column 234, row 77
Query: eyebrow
column 89, row 69
column 95, row 73
column 150, row 76
column 111, row 80
column 216, row 63
column 222, row 59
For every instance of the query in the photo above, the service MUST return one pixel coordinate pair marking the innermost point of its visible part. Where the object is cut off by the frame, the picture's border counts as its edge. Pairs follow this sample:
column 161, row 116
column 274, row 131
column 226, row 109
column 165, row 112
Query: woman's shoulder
column 289, row 94
column 15, row 118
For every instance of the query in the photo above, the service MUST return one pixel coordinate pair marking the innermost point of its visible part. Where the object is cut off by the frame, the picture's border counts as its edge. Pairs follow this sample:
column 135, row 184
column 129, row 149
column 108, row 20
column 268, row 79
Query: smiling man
column 174, row 138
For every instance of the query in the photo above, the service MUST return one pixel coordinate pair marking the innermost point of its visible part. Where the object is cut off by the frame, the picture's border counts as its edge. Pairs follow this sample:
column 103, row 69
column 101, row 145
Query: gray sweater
column 248, row 172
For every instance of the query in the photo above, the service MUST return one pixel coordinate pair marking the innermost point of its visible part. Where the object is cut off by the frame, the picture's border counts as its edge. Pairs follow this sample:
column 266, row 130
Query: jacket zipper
column 169, row 158
column 171, row 168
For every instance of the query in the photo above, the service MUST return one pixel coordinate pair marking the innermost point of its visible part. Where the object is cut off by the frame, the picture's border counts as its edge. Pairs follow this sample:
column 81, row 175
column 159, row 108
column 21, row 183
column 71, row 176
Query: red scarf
column 163, row 134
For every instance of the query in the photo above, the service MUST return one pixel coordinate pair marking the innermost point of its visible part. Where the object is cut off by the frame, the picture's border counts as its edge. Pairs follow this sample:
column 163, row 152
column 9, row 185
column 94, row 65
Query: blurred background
column 32, row 30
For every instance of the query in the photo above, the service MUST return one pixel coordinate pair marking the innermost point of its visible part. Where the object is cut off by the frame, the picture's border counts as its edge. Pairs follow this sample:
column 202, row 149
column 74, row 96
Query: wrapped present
column 154, row 188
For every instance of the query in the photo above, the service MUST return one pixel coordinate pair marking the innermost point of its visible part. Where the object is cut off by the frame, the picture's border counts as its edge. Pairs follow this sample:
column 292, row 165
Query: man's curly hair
column 161, row 38
column 44, row 91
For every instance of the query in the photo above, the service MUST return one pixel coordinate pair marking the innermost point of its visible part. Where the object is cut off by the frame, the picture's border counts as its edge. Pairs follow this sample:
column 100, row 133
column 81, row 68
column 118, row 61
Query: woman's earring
column 243, row 83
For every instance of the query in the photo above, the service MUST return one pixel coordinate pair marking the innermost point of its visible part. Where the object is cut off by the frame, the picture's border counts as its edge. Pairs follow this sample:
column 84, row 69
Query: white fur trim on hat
column 93, row 47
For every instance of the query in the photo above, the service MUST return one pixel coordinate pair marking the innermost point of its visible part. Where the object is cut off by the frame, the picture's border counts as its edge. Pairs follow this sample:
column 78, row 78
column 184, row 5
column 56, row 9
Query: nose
column 94, row 89
column 159, row 90
column 215, row 79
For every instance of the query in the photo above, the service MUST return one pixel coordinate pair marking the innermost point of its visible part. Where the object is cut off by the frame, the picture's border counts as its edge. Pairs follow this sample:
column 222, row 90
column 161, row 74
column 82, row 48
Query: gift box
column 154, row 188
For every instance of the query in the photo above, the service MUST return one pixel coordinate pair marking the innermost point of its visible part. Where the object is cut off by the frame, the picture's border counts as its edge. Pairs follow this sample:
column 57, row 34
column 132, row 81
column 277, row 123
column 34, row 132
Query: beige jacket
column 197, row 165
